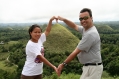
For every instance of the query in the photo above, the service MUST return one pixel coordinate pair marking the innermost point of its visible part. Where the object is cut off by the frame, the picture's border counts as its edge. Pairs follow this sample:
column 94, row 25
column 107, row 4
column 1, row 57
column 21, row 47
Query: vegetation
column 105, row 75
column 60, row 40
column 60, row 43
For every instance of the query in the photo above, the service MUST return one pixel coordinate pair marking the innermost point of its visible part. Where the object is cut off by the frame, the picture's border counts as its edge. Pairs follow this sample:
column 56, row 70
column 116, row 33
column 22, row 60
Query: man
column 88, row 49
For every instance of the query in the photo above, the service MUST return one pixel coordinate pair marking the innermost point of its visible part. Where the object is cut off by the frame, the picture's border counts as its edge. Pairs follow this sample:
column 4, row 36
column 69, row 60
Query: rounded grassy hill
column 60, row 40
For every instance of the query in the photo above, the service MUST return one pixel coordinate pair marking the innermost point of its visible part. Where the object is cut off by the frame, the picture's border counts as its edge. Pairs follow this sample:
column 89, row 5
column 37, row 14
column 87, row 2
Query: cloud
column 43, row 10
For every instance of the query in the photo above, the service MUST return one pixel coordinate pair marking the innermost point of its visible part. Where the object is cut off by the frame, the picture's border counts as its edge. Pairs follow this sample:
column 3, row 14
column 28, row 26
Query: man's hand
column 61, row 18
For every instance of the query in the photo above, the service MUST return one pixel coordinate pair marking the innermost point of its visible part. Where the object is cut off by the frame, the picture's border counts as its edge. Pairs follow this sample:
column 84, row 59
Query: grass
column 60, row 40
column 3, row 59
column 63, row 76
column 7, row 45
column 3, row 56
column 12, row 42
column 3, row 63
column 7, row 68
column 105, row 75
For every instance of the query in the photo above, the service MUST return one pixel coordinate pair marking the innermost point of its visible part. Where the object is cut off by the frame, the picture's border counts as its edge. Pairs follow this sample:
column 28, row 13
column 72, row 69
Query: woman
column 33, row 67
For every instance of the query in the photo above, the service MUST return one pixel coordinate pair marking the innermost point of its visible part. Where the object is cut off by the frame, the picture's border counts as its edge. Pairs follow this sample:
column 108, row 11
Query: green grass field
column 3, row 60
column 7, row 68
column 3, row 56
column 12, row 42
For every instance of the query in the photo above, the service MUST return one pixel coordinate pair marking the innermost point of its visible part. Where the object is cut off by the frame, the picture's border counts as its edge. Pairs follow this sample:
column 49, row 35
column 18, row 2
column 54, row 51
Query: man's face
column 85, row 20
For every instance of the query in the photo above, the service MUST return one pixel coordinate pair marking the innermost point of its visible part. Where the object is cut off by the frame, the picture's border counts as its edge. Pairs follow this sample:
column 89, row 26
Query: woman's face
column 35, row 34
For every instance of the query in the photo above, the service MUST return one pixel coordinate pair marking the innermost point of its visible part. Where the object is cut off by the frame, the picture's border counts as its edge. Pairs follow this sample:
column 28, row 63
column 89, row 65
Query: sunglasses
column 83, row 18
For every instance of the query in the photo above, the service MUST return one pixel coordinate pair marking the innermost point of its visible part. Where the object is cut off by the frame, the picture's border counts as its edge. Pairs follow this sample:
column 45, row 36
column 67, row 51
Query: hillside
column 60, row 40
column 104, row 27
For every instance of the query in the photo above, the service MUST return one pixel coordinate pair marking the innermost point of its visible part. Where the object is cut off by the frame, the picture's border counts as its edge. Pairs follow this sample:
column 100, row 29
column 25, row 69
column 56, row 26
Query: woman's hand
column 54, row 17
column 56, row 70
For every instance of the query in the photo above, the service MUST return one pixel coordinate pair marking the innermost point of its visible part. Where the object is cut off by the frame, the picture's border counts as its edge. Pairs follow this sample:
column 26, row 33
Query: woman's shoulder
column 30, row 44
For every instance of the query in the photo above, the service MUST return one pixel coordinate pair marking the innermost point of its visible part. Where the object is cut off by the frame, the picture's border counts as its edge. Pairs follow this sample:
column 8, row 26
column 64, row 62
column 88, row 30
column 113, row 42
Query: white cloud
column 43, row 10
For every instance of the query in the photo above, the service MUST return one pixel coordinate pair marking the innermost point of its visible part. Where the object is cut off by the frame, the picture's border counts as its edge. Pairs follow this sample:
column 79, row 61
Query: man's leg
column 92, row 72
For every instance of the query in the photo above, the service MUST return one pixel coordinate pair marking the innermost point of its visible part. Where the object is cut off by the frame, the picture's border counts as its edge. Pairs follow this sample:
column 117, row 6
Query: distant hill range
column 109, row 25
column 104, row 27
column 60, row 40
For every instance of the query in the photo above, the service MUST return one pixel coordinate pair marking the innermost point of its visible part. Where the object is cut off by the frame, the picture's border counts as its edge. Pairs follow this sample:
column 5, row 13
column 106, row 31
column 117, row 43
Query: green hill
column 104, row 27
column 60, row 40
column 26, row 28
column 9, row 28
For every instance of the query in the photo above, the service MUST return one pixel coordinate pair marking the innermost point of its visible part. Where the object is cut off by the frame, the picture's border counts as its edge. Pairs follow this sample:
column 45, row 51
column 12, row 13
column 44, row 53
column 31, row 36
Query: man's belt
column 92, row 64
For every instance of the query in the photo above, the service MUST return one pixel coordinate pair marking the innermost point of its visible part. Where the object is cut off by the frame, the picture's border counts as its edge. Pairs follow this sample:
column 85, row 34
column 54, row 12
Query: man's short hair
column 86, row 10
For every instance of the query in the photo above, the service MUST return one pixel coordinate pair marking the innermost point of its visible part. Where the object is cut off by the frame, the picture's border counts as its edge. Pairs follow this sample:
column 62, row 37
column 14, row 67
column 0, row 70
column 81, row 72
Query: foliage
column 14, row 35
column 60, row 43
column 7, row 75
column 6, row 67
column 17, row 53
column 105, row 75
column 3, row 56
column 73, row 67
column 63, row 76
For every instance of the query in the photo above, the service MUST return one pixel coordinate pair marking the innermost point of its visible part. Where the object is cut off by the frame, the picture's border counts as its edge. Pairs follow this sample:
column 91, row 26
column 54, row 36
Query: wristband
column 65, row 64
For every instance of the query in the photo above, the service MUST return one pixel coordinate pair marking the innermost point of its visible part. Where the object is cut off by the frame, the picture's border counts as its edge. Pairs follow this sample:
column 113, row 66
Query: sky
column 19, row 11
